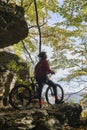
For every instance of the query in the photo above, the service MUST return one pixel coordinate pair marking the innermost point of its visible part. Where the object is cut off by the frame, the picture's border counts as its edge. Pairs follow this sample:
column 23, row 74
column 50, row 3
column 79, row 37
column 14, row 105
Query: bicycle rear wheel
column 50, row 96
column 20, row 97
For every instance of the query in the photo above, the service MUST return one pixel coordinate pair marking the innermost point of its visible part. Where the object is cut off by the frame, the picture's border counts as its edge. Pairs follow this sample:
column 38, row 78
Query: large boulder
column 13, row 27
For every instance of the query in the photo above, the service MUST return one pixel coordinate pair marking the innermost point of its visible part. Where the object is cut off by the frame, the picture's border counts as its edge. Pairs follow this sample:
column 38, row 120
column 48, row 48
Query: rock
column 13, row 26
column 67, row 113
column 11, row 62
column 42, row 119
column 49, row 124
column 12, row 71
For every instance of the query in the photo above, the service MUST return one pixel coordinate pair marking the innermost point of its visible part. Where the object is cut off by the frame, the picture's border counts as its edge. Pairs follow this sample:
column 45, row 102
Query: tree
column 74, row 14
column 61, row 36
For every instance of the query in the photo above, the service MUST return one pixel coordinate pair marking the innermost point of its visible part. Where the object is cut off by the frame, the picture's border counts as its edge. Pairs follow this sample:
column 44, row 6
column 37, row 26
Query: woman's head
column 42, row 55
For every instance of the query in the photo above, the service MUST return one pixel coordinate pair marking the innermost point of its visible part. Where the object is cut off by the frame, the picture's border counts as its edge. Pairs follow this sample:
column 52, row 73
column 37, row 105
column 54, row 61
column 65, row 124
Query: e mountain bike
column 21, row 95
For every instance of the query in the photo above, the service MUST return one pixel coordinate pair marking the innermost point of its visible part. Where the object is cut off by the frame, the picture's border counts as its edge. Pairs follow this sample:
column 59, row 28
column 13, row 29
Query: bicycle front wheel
column 20, row 97
column 50, row 95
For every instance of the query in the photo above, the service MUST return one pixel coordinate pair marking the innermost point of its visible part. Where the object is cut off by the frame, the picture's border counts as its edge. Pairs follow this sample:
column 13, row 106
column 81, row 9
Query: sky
column 55, row 17
column 60, row 2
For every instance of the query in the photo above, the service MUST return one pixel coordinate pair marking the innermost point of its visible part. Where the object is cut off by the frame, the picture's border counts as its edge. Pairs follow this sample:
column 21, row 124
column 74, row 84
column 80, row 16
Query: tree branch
column 27, row 52
column 38, row 25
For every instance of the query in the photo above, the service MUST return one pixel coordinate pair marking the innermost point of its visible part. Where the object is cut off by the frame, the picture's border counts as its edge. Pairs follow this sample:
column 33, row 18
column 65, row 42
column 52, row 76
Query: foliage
column 61, row 35
column 74, row 12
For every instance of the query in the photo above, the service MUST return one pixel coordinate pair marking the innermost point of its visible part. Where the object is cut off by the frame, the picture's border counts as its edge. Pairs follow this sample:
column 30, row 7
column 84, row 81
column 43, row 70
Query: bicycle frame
column 33, row 84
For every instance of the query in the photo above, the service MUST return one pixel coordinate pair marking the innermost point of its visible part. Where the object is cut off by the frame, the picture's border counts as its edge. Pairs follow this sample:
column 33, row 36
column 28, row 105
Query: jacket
column 42, row 68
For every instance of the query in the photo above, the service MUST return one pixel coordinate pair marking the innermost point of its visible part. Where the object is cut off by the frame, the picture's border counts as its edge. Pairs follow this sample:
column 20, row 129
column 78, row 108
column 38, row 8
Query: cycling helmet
column 42, row 55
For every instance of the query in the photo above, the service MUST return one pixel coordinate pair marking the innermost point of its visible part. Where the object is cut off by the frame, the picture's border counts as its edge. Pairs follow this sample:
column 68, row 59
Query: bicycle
column 21, row 95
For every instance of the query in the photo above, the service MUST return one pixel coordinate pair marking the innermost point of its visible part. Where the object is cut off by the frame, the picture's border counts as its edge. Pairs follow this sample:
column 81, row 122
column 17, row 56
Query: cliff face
column 13, row 27
column 58, row 117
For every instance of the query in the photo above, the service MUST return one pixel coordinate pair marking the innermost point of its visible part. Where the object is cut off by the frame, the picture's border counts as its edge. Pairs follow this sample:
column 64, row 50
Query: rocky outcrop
column 57, row 117
column 12, row 62
column 12, row 71
column 13, row 27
